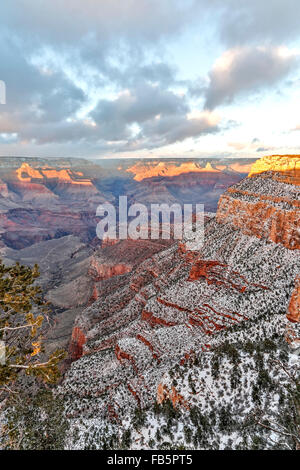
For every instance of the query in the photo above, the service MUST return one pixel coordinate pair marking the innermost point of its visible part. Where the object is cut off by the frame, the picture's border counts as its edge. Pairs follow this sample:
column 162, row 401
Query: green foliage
column 126, row 439
column 139, row 418
column 36, row 423
column 22, row 312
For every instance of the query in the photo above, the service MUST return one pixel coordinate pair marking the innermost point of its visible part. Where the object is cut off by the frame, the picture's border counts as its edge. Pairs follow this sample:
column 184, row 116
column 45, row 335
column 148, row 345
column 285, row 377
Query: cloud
column 161, row 116
column 97, row 75
column 33, row 94
column 8, row 138
column 236, row 22
column 246, row 69
column 255, row 145
column 264, row 149
column 137, row 105
column 238, row 145
column 64, row 21
column 242, row 22
column 171, row 129
column 54, row 54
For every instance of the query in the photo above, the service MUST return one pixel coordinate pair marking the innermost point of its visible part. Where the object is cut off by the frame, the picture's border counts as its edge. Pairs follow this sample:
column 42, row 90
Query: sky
column 150, row 78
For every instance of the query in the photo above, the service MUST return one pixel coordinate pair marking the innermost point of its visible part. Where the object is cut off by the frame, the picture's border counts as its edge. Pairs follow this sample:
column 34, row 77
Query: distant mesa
column 142, row 171
column 27, row 174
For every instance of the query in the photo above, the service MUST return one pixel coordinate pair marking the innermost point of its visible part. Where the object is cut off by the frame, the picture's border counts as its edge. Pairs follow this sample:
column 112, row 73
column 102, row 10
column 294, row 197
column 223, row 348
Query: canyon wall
column 267, row 203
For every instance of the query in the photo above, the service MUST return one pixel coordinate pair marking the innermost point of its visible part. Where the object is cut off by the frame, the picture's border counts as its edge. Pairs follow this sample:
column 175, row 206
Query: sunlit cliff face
column 26, row 174
column 142, row 171
column 31, row 173
column 150, row 170
column 288, row 165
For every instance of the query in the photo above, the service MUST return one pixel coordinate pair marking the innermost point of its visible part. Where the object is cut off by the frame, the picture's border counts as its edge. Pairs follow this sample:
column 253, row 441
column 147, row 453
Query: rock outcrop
column 294, row 305
column 76, row 345
column 163, row 393
column 267, row 204
column 287, row 167
column 103, row 270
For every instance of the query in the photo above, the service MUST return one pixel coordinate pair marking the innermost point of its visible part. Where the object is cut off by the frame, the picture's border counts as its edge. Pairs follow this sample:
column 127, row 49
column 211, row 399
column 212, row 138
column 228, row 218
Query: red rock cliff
column 76, row 345
column 100, row 270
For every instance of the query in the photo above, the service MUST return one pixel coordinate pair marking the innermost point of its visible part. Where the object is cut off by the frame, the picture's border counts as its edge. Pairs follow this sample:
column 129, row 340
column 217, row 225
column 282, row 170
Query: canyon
column 143, row 320
column 48, row 217
column 42, row 199
column 179, row 306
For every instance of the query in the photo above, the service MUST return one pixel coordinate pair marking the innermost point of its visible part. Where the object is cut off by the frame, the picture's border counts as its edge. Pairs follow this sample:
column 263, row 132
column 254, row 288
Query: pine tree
column 22, row 312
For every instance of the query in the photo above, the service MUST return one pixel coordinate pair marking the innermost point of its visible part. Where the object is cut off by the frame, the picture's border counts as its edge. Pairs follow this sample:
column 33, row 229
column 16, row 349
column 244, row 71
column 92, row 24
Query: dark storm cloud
column 241, row 70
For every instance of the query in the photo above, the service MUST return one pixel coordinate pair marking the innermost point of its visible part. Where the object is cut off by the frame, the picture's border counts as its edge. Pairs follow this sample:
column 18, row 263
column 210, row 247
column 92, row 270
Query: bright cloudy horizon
column 150, row 78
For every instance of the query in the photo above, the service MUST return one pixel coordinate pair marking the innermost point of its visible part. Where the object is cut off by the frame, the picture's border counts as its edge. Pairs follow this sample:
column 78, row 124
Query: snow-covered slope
column 205, row 331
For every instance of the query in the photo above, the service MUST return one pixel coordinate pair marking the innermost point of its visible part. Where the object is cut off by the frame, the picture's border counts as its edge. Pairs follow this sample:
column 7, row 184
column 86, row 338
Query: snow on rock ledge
column 267, row 204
